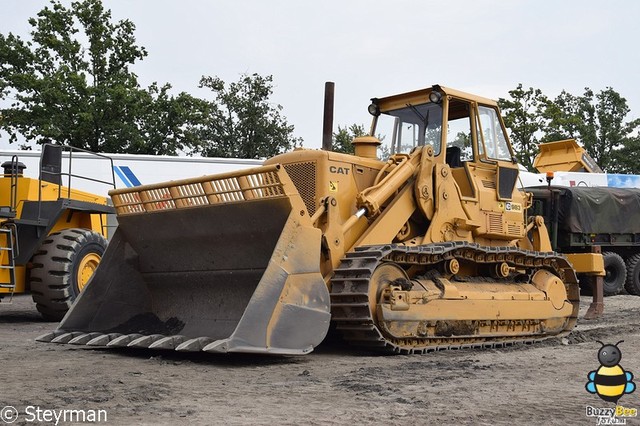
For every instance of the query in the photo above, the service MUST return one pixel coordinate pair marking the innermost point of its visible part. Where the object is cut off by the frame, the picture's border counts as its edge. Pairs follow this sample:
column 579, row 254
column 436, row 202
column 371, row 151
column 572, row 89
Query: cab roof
column 421, row 96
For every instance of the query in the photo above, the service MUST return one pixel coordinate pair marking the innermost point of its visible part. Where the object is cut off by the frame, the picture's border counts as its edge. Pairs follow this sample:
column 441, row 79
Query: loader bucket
column 225, row 263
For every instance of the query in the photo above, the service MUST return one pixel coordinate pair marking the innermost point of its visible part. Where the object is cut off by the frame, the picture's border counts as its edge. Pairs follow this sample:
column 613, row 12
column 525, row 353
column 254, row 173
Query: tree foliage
column 242, row 122
column 343, row 138
column 522, row 114
column 170, row 124
column 597, row 120
column 72, row 83
column 64, row 92
column 343, row 141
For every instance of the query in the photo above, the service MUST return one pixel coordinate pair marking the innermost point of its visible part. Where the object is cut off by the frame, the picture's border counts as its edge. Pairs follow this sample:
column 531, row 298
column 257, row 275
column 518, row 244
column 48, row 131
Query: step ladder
column 9, row 247
column 9, row 231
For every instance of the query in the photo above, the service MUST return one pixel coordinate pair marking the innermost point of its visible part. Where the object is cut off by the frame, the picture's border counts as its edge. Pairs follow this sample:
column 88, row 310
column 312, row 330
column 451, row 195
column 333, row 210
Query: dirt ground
column 538, row 384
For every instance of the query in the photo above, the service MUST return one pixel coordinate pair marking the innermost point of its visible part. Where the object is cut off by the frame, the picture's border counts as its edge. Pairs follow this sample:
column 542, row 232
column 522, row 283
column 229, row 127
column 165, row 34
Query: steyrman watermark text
column 36, row 414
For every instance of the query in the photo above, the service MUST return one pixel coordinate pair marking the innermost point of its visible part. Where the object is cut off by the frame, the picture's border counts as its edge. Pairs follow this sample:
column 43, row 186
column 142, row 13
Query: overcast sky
column 377, row 48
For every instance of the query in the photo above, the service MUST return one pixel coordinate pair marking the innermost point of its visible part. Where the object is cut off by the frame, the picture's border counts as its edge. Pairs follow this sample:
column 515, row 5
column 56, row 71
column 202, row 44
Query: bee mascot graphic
column 610, row 381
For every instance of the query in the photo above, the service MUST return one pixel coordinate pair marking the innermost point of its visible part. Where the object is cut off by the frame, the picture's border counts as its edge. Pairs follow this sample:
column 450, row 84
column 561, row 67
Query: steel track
column 350, row 292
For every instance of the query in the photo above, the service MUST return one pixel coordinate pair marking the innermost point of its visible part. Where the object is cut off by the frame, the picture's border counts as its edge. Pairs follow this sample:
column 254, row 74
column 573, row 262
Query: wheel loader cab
column 475, row 139
column 467, row 135
column 474, row 132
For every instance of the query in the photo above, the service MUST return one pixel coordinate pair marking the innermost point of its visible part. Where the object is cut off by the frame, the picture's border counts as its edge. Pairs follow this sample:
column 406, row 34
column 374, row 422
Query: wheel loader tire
column 616, row 273
column 632, row 284
column 62, row 267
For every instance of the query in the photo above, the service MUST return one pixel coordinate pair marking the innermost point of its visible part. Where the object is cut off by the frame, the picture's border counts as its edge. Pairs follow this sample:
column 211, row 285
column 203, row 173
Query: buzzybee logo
column 610, row 381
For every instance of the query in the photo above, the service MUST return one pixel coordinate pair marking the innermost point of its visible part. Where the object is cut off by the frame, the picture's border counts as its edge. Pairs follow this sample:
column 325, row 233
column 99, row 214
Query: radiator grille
column 303, row 176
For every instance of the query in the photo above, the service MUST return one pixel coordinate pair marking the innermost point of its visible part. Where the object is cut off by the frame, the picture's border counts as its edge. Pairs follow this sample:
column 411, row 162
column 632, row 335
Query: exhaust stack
column 327, row 122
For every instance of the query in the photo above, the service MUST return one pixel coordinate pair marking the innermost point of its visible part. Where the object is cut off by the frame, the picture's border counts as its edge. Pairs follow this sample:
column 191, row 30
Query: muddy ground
column 538, row 384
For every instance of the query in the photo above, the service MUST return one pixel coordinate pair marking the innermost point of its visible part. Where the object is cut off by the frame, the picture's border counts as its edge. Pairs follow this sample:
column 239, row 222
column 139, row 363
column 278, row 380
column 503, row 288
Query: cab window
column 459, row 130
column 495, row 142
column 411, row 126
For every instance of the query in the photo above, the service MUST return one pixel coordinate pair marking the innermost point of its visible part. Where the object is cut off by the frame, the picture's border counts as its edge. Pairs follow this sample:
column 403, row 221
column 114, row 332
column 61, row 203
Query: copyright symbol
column 9, row 414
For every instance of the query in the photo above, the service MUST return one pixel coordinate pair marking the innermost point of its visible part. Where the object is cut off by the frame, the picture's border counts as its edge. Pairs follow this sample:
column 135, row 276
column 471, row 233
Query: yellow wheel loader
column 52, row 237
column 429, row 250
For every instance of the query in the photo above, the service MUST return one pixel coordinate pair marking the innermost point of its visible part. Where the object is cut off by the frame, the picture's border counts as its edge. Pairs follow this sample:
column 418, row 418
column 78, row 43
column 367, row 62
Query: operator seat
column 452, row 157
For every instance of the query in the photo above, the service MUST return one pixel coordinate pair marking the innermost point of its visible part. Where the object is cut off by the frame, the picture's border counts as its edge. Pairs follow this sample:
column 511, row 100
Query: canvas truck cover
column 593, row 210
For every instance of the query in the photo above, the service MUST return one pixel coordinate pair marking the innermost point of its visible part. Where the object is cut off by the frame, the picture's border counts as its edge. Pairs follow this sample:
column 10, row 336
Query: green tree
column 343, row 138
column 168, row 124
column 242, row 122
column 562, row 118
column 627, row 159
column 523, row 118
column 72, row 84
column 343, row 141
column 599, row 122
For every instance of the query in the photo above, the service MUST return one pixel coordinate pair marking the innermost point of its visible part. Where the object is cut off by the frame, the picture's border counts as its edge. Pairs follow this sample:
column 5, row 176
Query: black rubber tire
column 632, row 284
column 54, row 274
column 616, row 272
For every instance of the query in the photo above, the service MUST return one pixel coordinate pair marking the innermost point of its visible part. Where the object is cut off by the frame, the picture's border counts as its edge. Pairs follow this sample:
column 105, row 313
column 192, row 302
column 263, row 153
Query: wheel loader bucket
column 225, row 263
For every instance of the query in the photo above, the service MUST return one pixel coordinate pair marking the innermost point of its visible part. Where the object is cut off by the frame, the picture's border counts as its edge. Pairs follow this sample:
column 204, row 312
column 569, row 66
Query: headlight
column 435, row 97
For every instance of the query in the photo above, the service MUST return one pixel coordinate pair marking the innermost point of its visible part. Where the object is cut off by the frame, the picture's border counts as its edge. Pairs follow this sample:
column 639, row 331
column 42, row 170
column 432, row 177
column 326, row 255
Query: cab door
column 496, row 173
column 483, row 168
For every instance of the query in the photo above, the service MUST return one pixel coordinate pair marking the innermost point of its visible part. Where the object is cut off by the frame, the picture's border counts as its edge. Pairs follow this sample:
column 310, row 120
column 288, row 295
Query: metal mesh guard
column 263, row 182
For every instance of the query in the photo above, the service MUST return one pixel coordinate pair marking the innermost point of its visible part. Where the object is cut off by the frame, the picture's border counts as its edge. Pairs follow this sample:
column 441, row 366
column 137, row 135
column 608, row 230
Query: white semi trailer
column 99, row 174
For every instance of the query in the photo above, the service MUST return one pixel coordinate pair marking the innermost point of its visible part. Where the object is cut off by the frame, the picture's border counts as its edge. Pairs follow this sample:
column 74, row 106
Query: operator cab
column 464, row 129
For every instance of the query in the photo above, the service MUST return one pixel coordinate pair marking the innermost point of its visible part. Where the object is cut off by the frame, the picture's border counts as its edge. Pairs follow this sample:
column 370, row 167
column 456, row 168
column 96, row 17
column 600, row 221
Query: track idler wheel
column 556, row 293
column 386, row 276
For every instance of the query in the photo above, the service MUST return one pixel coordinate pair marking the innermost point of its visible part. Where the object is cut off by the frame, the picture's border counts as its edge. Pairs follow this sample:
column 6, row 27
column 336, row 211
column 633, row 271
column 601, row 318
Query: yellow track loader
column 428, row 250
column 52, row 237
